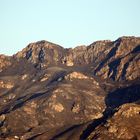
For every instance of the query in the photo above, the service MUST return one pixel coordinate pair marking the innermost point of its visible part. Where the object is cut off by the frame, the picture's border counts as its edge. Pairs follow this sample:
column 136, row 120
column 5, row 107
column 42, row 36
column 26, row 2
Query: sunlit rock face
column 123, row 125
column 118, row 60
column 123, row 60
column 87, row 92
column 4, row 62
column 7, row 85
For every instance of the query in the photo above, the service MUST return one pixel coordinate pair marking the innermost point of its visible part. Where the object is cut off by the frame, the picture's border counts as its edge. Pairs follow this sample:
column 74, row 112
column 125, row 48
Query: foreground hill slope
column 89, row 92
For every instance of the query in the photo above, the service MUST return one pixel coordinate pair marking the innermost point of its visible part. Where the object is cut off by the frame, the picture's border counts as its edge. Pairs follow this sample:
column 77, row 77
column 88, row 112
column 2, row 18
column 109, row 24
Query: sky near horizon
column 65, row 22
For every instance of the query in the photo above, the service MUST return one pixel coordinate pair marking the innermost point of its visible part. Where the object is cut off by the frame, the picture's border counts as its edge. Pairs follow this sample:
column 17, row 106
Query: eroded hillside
column 89, row 92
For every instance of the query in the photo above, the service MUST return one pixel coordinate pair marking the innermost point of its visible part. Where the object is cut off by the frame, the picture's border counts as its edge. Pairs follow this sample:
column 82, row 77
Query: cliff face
column 123, row 60
column 48, row 92
column 123, row 125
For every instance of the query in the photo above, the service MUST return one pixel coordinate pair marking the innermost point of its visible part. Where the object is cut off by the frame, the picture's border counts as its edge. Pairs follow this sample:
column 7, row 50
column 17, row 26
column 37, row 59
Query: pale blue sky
column 65, row 22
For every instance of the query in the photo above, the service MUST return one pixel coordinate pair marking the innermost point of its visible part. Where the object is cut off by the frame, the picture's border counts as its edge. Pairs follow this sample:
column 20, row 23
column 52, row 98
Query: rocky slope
column 89, row 92
column 118, row 60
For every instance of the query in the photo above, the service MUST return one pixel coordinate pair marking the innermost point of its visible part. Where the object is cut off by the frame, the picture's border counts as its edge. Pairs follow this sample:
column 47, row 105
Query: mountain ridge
column 102, row 54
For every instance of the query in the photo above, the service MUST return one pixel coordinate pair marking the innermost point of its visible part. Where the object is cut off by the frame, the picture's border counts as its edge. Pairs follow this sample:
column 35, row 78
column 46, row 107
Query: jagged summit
column 109, row 58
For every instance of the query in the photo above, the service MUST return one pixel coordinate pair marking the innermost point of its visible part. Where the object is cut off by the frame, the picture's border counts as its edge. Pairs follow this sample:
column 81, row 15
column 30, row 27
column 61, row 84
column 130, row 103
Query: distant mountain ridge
column 111, row 59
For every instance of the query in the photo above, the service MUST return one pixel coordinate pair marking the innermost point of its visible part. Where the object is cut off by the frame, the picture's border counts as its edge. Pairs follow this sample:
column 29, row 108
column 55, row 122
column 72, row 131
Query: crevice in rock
column 41, row 55
column 20, row 102
column 109, row 55
column 136, row 49
column 125, row 68
column 91, row 127
column 65, row 131
column 122, row 96
column 29, row 53
column 113, row 68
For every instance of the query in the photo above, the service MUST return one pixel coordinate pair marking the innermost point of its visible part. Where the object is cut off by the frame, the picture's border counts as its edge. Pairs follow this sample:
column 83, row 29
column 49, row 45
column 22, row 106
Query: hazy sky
column 65, row 22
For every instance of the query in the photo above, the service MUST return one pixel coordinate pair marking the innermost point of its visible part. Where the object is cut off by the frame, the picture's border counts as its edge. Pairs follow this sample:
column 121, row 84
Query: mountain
column 90, row 92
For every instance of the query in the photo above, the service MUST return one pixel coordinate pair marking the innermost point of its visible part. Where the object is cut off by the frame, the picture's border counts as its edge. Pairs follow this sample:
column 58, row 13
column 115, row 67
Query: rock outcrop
column 4, row 62
column 118, row 60
column 123, row 125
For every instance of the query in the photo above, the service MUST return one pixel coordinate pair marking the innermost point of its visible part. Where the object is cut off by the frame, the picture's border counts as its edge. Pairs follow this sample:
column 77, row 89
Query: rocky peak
column 42, row 52
column 109, row 59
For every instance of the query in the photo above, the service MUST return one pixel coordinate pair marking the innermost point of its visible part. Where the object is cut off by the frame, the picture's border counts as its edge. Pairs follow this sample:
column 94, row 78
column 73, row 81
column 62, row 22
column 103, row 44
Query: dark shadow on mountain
column 125, row 68
column 109, row 55
column 29, row 54
column 113, row 100
column 136, row 50
column 65, row 131
column 90, row 128
column 41, row 56
column 113, row 67
column 122, row 96
column 20, row 102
